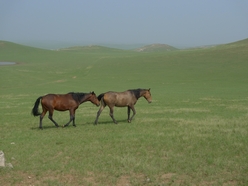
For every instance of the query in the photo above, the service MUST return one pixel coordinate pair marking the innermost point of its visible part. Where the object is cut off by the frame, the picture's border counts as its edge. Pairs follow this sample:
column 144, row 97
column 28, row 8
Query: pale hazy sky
column 180, row 23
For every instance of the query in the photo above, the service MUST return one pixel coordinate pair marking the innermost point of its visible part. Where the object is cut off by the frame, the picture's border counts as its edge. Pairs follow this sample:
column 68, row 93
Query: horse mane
column 77, row 96
column 136, row 92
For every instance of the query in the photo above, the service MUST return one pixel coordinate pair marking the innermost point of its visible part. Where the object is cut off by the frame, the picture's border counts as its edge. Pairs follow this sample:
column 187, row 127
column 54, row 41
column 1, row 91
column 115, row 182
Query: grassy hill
column 193, row 133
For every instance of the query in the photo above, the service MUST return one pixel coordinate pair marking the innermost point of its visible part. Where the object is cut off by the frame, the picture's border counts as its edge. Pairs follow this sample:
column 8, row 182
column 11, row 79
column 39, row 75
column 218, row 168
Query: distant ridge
column 6, row 46
column 155, row 48
column 90, row 48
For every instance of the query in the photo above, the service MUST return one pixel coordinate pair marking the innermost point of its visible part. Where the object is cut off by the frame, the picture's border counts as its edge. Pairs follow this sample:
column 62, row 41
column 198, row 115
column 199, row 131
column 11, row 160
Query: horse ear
column 92, row 92
column 149, row 89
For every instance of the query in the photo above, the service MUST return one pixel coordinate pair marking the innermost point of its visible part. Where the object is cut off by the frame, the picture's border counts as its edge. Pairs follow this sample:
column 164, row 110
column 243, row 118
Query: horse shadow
column 110, row 122
column 45, row 127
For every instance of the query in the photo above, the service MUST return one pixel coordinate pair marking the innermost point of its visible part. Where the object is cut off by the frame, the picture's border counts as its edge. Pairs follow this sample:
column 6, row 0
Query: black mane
column 77, row 96
column 136, row 92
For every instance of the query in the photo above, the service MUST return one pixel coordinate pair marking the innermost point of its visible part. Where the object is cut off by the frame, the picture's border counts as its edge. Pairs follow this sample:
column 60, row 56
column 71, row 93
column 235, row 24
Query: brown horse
column 62, row 102
column 122, row 99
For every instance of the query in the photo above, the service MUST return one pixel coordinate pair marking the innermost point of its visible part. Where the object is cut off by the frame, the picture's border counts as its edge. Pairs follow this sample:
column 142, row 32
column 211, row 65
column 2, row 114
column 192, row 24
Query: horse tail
column 100, row 96
column 35, row 110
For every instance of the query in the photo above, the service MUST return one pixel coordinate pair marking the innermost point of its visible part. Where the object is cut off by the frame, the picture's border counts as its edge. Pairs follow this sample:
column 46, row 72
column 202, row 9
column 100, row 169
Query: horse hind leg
column 41, row 118
column 51, row 118
column 99, row 112
column 111, row 113
column 134, row 112
column 128, row 114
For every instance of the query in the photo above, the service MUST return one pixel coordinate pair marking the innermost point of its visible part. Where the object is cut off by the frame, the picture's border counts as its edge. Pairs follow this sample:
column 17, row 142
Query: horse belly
column 60, row 108
column 63, row 105
column 122, row 103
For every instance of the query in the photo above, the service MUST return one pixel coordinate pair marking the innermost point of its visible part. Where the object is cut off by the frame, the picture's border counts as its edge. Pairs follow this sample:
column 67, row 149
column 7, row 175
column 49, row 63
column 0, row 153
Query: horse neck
column 138, row 93
column 85, row 98
column 142, row 92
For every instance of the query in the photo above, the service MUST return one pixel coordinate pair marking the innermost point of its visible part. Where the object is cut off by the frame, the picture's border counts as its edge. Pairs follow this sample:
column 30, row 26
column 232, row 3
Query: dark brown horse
column 122, row 99
column 62, row 102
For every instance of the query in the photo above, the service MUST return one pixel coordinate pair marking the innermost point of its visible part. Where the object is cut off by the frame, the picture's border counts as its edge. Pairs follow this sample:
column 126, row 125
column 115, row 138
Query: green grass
column 194, row 133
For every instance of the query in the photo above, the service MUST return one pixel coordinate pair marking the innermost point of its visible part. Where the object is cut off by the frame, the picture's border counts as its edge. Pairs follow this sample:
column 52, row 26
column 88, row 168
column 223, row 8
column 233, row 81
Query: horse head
column 94, row 99
column 147, row 95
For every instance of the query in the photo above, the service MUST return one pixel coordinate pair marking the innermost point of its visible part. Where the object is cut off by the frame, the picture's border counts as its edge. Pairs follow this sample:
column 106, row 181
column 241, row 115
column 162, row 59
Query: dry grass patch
column 163, row 110
column 238, row 107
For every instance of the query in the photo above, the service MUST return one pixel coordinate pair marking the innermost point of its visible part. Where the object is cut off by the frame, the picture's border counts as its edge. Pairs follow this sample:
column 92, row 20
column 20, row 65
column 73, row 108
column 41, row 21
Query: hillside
column 156, row 48
column 241, row 45
column 18, row 53
column 10, row 46
column 241, row 42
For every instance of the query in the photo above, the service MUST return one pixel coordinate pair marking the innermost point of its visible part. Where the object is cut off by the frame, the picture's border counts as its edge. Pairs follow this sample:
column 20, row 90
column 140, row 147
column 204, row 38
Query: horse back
column 59, row 102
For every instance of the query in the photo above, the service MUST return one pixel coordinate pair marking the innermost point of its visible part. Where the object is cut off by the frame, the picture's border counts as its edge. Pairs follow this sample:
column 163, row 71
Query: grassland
column 194, row 133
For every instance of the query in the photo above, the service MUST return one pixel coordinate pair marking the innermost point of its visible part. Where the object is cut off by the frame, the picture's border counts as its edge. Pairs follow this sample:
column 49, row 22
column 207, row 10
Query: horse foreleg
column 128, row 113
column 134, row 112
column 111, row 113
column 72, row 118
column 98, row 113
column 74, row 122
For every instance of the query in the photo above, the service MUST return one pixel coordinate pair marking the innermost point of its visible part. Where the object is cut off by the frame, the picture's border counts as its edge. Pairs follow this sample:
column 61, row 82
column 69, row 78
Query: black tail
column 35, row 110
column 100, row 96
